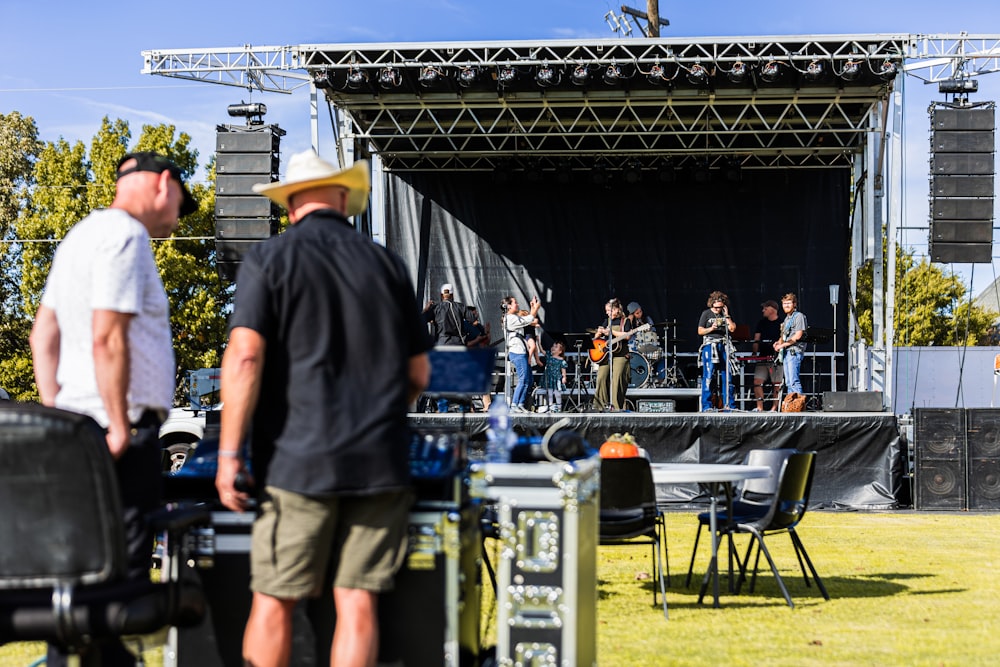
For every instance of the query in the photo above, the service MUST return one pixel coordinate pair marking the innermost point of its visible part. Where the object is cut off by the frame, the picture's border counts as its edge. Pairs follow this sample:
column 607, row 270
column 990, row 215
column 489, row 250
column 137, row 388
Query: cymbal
column 665, row 323
column 591, row 331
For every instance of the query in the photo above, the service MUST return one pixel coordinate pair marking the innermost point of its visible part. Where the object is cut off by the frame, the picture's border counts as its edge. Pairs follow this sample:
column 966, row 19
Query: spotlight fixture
column 701, row 173
column 506, row 75
column 599, row 174
column 580, row 75
column 632, row 174
column 564, row 171
column 613, row 74
column 547, row 76
column 814, row 70
column 389, row 77
column 738, row 72
column 356, row 78
column 321, row 80
column 958, row 86
column 852, row 68
column 429, row 76
column 697, row 75
column 666, row 173
column 467, row 76
column 887, row 70
column 733, row 171
column 770, row 71
column 657, row 74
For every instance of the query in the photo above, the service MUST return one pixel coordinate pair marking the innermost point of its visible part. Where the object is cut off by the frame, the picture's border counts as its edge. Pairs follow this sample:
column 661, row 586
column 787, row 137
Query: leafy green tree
column 19, row 139
column 932, row 307
column 69, row 184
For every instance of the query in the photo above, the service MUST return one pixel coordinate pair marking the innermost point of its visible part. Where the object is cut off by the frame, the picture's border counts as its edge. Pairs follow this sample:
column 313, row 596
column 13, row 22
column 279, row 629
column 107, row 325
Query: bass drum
column 640, row 370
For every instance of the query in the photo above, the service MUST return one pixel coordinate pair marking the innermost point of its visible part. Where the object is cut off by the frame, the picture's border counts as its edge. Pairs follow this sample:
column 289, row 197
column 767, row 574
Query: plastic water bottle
column 500, row 436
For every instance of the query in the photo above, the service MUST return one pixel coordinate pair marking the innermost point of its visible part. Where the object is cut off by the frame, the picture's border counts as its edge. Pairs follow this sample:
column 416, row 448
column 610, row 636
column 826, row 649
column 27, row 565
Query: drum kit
column 653, row 364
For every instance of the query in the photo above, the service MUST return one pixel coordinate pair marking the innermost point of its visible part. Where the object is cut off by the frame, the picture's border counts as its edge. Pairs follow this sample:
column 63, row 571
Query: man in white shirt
column 101, row 341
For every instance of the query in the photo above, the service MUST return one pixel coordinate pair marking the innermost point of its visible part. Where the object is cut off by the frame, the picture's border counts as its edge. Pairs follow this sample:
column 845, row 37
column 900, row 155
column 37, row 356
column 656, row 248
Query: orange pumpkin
column 619, row 446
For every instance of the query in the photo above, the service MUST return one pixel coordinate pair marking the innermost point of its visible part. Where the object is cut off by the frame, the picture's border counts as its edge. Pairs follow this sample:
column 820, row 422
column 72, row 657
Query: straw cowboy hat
column 307, row 171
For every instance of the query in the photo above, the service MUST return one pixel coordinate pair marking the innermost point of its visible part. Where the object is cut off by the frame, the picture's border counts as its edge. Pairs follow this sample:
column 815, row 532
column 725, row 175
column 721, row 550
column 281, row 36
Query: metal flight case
column 547, row 574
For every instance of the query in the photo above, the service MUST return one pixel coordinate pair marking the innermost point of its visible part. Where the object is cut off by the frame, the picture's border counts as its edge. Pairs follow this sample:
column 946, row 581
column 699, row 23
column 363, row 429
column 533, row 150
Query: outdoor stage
column 860, row 456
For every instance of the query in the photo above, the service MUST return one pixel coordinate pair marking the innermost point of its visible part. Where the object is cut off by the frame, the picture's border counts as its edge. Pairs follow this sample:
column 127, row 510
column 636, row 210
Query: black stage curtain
column 665, row 245
column 858, row 465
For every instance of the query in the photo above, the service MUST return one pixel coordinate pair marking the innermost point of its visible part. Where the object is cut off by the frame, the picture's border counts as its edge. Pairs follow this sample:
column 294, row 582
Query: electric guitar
column 600, row 349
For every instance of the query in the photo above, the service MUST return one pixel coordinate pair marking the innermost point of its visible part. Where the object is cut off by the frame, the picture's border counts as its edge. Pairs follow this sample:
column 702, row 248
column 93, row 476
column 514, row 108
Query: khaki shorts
column 300, row 542
column 768, row 370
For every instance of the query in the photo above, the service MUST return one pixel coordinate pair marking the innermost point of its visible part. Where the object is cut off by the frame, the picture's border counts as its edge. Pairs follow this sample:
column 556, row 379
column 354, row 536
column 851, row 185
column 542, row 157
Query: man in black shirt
column 766, row 333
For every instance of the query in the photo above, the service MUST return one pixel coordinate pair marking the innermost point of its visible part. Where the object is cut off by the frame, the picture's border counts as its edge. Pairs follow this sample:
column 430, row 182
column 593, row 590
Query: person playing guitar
column 613, row 371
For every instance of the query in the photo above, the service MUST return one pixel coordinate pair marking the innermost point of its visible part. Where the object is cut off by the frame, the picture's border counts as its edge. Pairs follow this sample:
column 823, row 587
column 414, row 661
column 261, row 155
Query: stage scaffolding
column 663, row 104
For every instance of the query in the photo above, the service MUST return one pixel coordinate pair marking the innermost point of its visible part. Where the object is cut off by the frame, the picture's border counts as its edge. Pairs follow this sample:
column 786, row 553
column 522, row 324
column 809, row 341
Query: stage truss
column 819, row 101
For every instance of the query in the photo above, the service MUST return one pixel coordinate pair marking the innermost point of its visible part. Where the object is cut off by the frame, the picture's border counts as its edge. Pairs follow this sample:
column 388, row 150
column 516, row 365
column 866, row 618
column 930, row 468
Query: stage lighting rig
column 657, row 74
column 737, row 73
column 632, row 173
column 852, row 68
column 506, row 75
column 389, row 77
column 697, row 75
column 887, row 70
column 814, row 70
column 252, row 111
column 467, row 76
column 580, row 75
column 547, row 76
column 770, row 71
column 613, row 74
column 356, row 78
column 958, row 86
column 429, row 76
column 322, row 81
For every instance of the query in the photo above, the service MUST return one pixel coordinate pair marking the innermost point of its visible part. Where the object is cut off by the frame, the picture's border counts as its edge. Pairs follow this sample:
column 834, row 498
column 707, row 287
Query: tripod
column 672, row 375
column 578, row 394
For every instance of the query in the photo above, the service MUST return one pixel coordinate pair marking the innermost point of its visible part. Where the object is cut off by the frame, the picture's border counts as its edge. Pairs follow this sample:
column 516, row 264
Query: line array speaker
column 245, row 156
column 962, row 166
column 957, row 459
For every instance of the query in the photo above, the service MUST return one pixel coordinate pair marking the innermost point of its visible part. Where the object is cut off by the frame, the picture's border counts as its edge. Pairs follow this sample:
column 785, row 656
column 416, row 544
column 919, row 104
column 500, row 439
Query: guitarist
column 715, row 327
column 790, row 347
column 611, row 353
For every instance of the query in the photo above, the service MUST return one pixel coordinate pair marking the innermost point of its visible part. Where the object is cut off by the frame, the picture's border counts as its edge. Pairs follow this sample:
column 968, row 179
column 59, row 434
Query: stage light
column 356, row 78
column 429, row 76
column 599, row 174
column 697, row 75
column 247, row 110
column 580, row 75
column 733, row 171
column 814, row 70
column 389, row 77
column 468, row 76
column 701, row 173
column 666, row 173
column 533, row 172
column 852, row 68
column 770, row 71
column 321, row 80
column 738, row 72
column 506, row 75
column 958, row 86
column 564, row 172
column 632, row 174
column 657, row 74
column 887, row 70
column 613, row 74
column 546, row 76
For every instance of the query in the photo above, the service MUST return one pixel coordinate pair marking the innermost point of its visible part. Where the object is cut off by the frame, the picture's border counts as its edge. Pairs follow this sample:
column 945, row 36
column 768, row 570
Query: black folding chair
column 629, row 515
column 785, row 513
column 752, row 499
column 62, row 544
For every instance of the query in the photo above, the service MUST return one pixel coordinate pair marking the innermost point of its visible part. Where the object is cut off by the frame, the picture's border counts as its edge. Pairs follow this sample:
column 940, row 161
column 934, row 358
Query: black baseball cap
column 157, row 164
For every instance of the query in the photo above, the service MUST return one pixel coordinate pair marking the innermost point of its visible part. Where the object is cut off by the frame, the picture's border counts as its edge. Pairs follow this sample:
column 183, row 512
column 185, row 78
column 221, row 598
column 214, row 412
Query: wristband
column 229, row 454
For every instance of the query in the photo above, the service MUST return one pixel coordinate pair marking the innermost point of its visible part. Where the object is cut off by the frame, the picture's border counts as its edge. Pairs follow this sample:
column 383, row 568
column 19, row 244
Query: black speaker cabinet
column 961, row 253
column 940, row 461
column 852, row 401
column 983, row 438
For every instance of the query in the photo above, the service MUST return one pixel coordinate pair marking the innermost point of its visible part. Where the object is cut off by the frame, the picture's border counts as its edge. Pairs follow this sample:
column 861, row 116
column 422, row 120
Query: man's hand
column 229, row 468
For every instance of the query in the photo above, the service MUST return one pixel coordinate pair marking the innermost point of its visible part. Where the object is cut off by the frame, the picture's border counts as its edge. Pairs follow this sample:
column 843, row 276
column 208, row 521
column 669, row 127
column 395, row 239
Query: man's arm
column 242, row 369
column 44, row 342
column 419, row 376
column 112, row 366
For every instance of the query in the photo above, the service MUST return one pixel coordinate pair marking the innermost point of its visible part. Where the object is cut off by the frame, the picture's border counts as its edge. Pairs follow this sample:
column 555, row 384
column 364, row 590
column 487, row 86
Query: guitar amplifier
column 547, row 574
column 852, row 401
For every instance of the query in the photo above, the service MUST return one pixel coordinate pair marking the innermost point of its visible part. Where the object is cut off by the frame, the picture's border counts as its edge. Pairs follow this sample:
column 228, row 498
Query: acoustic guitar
column 600, row 349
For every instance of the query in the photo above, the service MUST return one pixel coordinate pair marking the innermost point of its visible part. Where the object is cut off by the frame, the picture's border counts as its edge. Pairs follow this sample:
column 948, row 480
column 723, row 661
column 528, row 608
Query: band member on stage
column 612, row 335
column 715, row 327
column 637, row 318
column 765, row 335
column 517, row 350
column 790, row 347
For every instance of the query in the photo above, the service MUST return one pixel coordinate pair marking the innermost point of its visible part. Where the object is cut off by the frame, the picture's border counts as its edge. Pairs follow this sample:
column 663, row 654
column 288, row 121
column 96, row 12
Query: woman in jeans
column 517, row 351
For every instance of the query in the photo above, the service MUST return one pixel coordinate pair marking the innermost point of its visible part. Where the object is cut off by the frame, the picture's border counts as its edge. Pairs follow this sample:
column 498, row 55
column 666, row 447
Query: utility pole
column 651, row 16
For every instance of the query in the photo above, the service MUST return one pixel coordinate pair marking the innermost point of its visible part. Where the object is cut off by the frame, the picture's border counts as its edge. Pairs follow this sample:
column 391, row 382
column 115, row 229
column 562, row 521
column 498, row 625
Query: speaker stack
column 244, row 156
column 957, row 459
column 962, row 168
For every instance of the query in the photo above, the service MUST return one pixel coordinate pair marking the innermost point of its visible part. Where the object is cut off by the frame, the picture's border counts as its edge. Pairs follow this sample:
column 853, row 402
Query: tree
column 19, row 138
column 931, row 306
column 68, row 185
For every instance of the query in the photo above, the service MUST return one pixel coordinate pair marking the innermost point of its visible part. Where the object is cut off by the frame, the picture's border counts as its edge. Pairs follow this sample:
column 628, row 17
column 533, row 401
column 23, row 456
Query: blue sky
column 68, row 64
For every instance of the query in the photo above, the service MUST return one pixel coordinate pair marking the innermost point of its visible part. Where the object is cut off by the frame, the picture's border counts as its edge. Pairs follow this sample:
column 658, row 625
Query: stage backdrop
column 665, row 245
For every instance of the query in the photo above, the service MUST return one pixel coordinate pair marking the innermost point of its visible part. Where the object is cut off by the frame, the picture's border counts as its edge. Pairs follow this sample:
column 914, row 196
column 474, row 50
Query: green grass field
column 907, row 588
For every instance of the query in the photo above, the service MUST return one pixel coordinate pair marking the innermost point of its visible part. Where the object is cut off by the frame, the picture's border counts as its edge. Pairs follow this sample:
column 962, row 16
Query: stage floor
column 860, row 455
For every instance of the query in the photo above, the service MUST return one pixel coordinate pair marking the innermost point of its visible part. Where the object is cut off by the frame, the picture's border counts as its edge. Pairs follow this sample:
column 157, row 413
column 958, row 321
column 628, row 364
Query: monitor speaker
column 940, row 459
column 852, row 401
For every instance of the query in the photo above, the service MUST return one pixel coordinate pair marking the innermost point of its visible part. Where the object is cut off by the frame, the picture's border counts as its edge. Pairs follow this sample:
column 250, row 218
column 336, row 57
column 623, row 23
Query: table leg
column 713, row 564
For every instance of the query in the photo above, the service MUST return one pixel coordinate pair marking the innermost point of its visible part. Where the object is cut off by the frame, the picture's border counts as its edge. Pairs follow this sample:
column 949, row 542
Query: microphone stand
column 726, row 344
column 610, row 407
column 507, row 389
